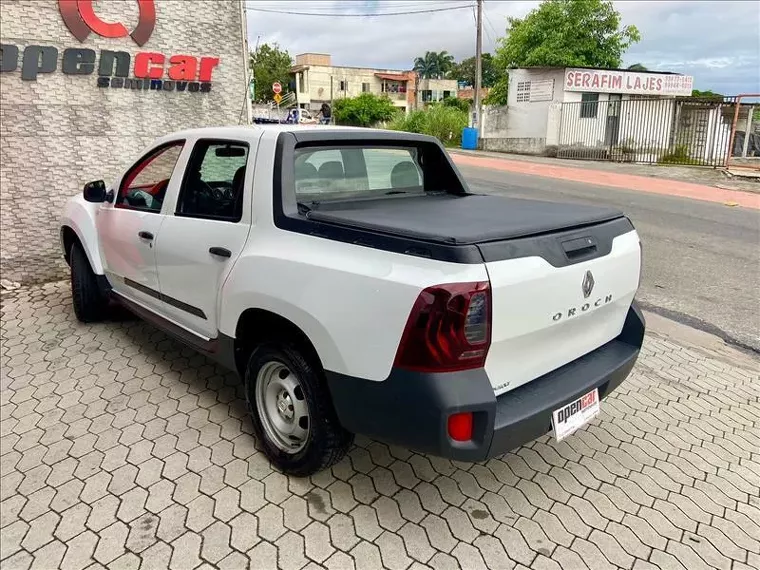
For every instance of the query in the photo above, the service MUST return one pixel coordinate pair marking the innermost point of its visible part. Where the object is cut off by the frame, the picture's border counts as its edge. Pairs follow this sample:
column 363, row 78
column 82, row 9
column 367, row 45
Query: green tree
column 465, row 71
column 636, row 67
column 434, row 65
column 705, row 94
column 427, row 65
column 269, row 64
column 364, row 110
column 567, row 33
column 499, row 91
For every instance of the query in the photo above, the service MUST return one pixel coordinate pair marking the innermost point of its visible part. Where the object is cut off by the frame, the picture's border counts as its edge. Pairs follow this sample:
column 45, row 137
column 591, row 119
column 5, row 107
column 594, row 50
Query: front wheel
column 89, row 300
column 292, row 413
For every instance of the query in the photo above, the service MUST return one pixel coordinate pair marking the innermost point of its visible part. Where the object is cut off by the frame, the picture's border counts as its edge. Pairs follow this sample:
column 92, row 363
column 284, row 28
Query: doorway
column 612, row 131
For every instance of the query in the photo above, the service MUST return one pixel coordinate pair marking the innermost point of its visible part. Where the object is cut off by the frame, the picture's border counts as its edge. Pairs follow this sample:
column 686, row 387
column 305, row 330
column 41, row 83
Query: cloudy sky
column 718, row 42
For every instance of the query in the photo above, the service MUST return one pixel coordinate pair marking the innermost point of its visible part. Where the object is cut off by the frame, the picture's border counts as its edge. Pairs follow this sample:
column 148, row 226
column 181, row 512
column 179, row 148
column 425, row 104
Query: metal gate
column 647, row 130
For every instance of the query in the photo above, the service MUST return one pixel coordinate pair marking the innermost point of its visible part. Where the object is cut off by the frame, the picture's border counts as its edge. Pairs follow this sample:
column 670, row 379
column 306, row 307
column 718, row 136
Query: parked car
column 357, row 285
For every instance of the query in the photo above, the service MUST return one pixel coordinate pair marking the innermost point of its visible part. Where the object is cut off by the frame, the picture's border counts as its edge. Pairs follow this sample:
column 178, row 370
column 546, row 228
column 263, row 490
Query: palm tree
column 427, row 66
column 445, row 63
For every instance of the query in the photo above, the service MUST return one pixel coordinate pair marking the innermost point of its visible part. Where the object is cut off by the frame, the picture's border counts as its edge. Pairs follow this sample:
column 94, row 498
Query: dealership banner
column 628, row 82
column 146, row 70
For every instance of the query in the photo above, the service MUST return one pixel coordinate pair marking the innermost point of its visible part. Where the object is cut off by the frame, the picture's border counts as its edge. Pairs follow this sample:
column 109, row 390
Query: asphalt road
column 701, row 260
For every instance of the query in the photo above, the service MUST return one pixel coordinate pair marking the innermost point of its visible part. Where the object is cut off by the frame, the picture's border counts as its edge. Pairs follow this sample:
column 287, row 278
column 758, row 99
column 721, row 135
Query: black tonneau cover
column 460, row 220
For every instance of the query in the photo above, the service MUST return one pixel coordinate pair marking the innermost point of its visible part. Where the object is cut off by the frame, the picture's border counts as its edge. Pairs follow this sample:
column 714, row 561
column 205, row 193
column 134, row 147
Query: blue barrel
column 470, row 138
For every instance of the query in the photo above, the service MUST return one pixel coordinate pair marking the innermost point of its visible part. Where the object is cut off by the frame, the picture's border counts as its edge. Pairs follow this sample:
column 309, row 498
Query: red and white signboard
column 630, row 82
column 276, row 87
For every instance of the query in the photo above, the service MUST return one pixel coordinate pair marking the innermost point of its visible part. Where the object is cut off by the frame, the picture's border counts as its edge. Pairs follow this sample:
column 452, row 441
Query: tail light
column 449, row 329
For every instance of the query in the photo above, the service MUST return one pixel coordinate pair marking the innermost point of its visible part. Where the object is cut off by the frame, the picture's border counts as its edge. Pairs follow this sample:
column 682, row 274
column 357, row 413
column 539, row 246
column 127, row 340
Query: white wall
column 62, row 130
column 530, row 119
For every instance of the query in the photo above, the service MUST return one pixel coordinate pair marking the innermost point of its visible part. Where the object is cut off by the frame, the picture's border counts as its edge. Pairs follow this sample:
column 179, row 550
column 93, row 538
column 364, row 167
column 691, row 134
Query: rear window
column 356, row 171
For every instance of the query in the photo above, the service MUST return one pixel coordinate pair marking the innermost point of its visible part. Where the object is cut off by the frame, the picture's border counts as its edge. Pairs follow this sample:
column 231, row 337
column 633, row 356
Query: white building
column 318, row 81
column 433, row 90
column 590, row 110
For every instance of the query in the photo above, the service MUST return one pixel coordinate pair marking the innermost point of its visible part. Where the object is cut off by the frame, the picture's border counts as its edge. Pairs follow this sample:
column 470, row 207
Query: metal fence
column 647, row 130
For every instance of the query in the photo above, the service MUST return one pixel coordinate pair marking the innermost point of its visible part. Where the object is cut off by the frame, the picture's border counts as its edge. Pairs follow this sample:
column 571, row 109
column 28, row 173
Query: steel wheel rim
column 282, row 407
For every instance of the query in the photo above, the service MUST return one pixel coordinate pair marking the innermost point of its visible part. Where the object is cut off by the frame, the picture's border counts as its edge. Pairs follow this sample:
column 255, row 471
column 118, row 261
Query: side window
column 144, row 186
column 213, row 185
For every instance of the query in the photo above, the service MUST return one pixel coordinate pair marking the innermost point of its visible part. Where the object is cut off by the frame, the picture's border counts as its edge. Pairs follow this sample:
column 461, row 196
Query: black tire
column 90, row 302
column 327, row 442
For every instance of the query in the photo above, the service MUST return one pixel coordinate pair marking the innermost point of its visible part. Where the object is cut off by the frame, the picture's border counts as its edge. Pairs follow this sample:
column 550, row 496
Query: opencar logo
column 80, row 18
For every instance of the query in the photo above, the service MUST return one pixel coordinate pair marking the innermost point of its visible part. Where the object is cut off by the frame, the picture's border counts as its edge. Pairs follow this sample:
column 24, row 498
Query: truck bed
column 460, row 220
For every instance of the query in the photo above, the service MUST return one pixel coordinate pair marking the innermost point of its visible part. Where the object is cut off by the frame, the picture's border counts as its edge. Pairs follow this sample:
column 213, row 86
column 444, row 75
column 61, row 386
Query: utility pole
column 478, row 65
column 253, row 71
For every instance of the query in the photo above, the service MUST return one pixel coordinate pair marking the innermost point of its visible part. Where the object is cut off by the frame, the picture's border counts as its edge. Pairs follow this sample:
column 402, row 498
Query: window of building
column 144, row 186
column 365, row 87
column 523, row 91
column 343, row 85
column 213, row 184
column 589, row 105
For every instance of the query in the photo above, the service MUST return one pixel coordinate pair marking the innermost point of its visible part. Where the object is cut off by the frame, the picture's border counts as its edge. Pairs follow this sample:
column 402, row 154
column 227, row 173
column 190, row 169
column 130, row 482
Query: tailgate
column 557, row 298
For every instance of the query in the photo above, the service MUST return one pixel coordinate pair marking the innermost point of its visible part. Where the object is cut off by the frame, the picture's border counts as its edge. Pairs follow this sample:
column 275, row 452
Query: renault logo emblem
column 588, row 285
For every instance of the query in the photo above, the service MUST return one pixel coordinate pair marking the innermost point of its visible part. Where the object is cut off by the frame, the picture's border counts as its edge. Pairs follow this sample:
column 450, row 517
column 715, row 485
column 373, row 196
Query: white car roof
column 248, row 131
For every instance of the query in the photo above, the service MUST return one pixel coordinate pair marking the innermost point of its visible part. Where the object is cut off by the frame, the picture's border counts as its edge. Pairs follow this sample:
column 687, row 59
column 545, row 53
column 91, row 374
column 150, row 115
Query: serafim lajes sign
column 629, row 82
column 150, row 71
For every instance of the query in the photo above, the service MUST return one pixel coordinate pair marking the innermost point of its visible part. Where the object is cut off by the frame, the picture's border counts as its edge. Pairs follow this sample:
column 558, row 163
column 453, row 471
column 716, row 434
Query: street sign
column 276, row 88
column 277, row 98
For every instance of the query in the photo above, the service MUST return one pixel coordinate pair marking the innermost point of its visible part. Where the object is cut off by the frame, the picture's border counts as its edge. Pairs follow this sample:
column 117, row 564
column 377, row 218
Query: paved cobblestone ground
column 122, row 449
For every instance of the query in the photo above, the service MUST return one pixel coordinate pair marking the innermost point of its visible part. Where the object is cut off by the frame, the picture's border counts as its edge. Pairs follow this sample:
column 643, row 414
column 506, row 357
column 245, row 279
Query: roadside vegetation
column 365, row 110
column 444, row 121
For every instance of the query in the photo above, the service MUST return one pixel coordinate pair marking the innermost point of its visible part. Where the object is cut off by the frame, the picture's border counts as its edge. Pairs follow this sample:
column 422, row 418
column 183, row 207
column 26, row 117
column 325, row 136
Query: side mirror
column 95, row 191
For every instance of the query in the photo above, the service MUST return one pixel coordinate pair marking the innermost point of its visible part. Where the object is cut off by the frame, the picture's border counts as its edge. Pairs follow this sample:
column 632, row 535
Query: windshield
column 326, row 173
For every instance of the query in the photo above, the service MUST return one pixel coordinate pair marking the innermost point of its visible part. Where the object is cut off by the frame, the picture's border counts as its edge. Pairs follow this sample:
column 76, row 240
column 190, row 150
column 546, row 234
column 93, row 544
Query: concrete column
column 747, row 129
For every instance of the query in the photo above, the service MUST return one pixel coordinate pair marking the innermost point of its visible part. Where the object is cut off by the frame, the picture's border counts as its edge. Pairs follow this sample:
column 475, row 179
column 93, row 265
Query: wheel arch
column 257, row 325
column 77, row 225
column 69, row 237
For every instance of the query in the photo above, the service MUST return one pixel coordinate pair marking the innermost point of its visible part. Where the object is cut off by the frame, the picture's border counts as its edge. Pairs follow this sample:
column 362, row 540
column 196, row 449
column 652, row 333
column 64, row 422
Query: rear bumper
column 411, row 409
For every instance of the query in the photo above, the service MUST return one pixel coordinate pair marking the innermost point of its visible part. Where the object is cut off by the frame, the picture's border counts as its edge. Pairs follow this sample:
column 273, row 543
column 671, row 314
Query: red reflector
column 460, row 426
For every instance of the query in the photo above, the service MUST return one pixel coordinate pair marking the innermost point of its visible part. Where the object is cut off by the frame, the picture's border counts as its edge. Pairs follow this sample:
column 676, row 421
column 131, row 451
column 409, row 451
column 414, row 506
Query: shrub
column 365, row 110
column 457, row 103
column 680, row 155
column 441, row 121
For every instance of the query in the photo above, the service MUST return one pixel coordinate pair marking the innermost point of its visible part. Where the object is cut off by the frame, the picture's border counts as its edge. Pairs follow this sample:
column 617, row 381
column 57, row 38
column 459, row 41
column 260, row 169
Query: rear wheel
column 89, row 300
column 292, row 413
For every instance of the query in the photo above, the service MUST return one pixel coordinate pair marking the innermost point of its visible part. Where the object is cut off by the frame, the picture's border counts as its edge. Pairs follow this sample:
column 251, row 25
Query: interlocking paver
column 133, row 449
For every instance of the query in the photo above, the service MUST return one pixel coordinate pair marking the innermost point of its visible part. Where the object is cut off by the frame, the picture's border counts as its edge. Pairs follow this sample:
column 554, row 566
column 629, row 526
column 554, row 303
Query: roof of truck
column 252, row 133
column 245, row 130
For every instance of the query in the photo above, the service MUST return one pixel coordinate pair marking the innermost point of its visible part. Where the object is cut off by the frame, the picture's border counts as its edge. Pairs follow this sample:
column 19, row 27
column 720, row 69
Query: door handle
column 220, row 251
column 145, row 235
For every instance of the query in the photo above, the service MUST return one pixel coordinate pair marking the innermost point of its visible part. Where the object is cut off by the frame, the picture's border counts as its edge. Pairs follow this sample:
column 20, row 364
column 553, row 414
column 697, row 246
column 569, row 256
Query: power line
column 317, row 6
column 365, row 15
column 495, row 37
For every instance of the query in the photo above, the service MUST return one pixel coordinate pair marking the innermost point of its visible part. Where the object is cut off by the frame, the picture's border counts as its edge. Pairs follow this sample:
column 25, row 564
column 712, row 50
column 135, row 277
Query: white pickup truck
column 357, row 286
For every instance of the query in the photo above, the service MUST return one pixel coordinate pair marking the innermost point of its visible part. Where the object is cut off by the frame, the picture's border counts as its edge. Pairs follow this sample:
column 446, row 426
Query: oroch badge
column 588, row 285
